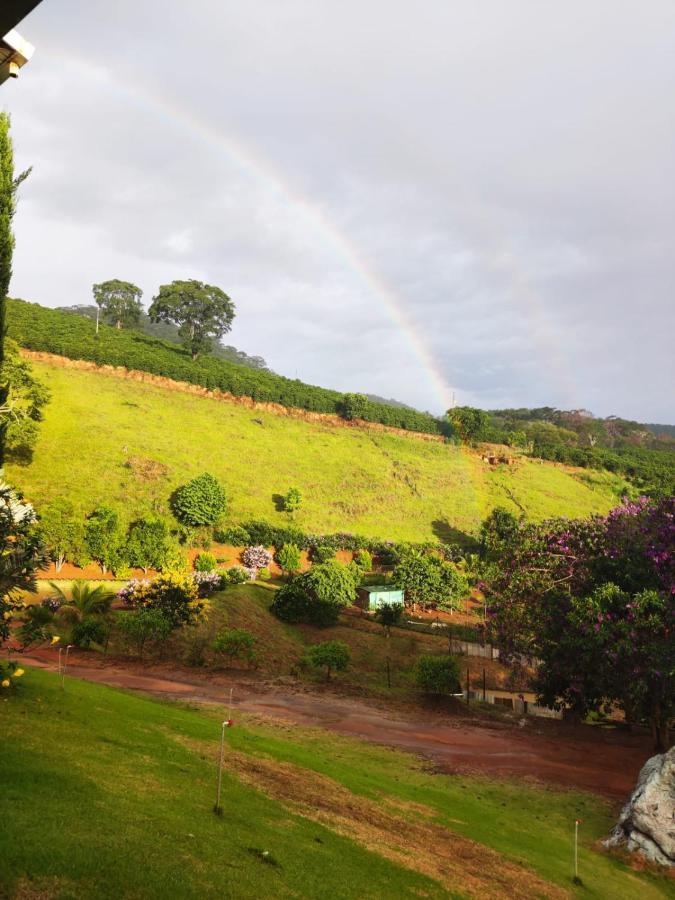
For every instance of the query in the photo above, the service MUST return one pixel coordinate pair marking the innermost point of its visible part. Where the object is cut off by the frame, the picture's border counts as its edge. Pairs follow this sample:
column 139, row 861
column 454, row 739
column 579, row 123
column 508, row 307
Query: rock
column 647, row 822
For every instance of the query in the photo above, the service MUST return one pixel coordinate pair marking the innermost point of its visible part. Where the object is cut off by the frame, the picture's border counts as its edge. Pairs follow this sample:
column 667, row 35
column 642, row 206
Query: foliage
column 264, row 574
column 292, row 500
column 354, row 406
column 85, row 601
column 90, row 631
column 234, row 535
column 23, row 397
column 120, row 301
column 592, row 602
column 147, row 544
column 205, row 562
column 39, row 328
column 388, row 615
column 21, row 550
column 498, row 530
column 437, row 674
column 364, row 560
column 145, row 626
column 428, row 580
column 202, row 501
column 332, row 656
column 174, row 594
column 238, row 575
column 62, row 531
column 201, row 311
column 209, row 582
column 289, row 559
column 469, row 423
column 104, row 539
column 256, row 557
column 322, row 553
column 235, row 643
column 35, row 623
column 316, row 596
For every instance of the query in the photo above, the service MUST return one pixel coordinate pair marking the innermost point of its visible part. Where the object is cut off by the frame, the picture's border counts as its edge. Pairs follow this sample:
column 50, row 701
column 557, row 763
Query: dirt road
column 591, row 759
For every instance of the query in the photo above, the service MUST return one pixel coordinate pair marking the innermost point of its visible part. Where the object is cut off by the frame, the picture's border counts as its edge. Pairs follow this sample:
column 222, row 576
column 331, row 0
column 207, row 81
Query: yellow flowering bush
column 174, row 594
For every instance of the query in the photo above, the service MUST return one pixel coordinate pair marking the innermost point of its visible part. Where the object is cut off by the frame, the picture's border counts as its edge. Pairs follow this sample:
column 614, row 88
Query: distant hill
column 665, row 430
column 168, row 332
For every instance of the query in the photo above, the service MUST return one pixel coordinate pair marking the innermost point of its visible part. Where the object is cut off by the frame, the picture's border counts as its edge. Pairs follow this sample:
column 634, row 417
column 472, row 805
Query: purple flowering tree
column 255, row 558
column 590, row 606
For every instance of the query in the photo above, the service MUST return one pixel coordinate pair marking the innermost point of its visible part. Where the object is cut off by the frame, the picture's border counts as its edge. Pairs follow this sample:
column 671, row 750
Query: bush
column 88, row 632
column 264, row 574
column 289, row 559
column 364, row 560
column 389, row 614
column 209, row 582
column 238, row 575
column 331, row 656
column 147, row 544
column 257, row 557
column 437, row 675
column 235, row 536
column 144, row 627
column 175, row 595
column 316, row 596
column 202, row 501
column 293, row 500
column 235, row 643
column 205, row 562
column 322, row 553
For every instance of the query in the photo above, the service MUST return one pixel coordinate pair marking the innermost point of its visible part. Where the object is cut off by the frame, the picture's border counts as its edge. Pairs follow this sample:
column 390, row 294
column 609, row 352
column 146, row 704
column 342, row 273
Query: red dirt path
column 584, row 758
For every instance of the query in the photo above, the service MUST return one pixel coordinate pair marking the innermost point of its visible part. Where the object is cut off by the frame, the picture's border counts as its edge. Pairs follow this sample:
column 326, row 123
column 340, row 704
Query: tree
column 293, row 500
column 289, row 559
column 469, row 423
column 174, row 594
column 147, row 544
column 428, row 579
column 202, row 312
column 316, row 596
column 589, row 603
column 9, row 185
column 120, row 301
column 62, row 531
column 331, row 656
column 389, row 614
column 364, row 560
column 103, row 537
column 144, row 626
column 24, row 397
column 354, row 406
column 437, row 675
column 85, row 600
column 499, row 528
column 202, row 501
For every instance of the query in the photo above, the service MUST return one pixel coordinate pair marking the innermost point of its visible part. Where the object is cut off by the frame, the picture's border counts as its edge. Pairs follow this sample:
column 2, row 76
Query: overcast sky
column 405, row 198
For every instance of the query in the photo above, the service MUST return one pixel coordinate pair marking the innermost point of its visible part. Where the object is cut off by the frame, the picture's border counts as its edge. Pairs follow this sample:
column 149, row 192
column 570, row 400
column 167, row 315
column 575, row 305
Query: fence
column 468, row 648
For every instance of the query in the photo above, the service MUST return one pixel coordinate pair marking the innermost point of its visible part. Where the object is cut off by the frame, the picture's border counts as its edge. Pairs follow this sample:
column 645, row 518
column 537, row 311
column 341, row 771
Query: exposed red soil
column 582, row 757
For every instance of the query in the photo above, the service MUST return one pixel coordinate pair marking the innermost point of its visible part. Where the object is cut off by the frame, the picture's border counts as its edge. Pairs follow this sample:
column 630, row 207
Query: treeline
column 48, row 330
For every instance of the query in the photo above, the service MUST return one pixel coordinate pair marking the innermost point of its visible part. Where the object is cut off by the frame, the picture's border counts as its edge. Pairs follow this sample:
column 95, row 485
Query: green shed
column 377, row 595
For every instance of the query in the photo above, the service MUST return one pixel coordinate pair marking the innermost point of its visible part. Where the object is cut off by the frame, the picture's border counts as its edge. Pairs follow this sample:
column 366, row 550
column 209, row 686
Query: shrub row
column 52, row 331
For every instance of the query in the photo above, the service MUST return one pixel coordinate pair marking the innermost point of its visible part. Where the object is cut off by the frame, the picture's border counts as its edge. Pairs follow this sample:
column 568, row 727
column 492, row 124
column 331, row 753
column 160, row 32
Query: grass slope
column 107, row 794
column 375, row 484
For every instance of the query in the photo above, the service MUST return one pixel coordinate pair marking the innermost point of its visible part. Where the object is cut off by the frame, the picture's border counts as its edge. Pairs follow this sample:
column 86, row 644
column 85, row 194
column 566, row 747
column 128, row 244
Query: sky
column 436, row 201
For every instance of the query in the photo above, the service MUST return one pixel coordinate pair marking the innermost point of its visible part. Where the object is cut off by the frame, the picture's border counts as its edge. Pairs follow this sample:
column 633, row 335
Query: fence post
column 483, row 684
column 468, row 685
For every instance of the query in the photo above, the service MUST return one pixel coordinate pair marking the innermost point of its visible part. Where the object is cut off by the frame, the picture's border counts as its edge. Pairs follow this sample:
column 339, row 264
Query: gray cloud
column 504, row 173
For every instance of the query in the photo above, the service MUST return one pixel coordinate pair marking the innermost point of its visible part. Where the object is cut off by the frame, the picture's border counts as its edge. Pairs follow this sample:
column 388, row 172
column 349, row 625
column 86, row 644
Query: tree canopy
column 120, row 301
column 202, row 312
column 469, row 423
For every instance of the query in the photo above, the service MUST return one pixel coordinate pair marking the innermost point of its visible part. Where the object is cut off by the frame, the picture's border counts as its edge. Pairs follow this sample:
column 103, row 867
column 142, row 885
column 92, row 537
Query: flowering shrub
column 209, row 582
column 53, row 604
column 9, row 674
column 257, row 557
column 175, row 595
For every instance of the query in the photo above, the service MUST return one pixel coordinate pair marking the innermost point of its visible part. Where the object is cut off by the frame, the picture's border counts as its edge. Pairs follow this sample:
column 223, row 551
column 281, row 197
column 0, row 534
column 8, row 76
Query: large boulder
column 647, row 822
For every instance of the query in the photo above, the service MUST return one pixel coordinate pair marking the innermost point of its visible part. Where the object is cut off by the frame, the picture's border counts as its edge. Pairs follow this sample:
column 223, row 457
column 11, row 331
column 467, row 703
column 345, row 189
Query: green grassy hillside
column 99, row 432
column 107, row 794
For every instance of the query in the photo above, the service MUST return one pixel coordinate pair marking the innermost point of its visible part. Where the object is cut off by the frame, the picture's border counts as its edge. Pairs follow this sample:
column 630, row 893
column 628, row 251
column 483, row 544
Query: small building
column 372, row 597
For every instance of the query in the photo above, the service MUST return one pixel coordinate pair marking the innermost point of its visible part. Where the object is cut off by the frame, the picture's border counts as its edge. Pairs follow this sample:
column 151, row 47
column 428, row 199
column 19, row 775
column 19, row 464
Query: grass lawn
column 108, row 794
column 99, row 430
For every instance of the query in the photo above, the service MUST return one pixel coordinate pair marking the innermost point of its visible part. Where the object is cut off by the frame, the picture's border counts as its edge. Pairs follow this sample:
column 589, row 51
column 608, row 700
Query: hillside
column 110, row 795
column 100, row 430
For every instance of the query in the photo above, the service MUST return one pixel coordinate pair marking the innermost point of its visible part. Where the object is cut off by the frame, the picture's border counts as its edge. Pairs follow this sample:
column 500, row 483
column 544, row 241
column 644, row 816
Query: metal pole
column 218, row 810
column 467, row 685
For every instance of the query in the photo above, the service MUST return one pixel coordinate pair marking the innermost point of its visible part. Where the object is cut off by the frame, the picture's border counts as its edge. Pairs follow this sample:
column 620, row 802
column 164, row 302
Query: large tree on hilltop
column 9, row 185
column 120, row 301
column 203, row 313
column 469, row 423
